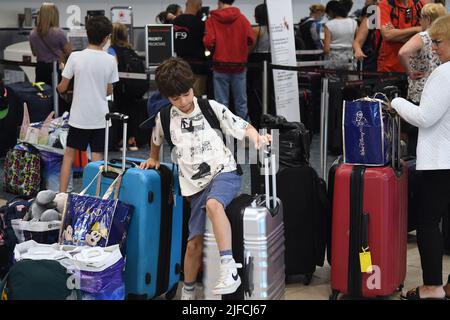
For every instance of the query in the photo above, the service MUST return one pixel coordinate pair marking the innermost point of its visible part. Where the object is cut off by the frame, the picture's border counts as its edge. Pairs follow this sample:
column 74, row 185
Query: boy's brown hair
column 97, row 29
column 174, row 77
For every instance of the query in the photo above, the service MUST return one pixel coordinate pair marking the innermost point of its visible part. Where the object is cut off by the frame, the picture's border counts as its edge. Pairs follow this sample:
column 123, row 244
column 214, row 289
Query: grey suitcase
column 258, row 244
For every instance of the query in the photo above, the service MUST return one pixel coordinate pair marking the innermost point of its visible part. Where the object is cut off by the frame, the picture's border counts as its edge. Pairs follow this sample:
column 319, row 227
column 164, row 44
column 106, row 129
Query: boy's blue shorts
column 223, row 188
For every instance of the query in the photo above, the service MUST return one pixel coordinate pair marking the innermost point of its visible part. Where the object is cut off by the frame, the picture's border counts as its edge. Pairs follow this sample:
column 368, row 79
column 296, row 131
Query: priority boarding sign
column 159, row 43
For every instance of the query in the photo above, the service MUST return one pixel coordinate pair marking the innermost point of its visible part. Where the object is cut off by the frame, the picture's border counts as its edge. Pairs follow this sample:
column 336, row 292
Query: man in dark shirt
column 189, row 30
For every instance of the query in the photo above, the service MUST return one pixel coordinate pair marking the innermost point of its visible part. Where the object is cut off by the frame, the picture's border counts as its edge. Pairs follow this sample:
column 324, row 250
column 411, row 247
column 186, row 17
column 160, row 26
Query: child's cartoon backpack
column 22, row 170
column 130, row 62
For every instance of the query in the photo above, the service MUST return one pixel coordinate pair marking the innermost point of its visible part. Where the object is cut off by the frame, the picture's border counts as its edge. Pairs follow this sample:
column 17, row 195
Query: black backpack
column 130, row 62
column 303, row 34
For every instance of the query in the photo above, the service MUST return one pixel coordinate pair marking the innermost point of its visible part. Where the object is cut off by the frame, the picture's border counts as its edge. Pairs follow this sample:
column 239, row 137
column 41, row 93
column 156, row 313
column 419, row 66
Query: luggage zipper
column 165, row 241
column 355, row 237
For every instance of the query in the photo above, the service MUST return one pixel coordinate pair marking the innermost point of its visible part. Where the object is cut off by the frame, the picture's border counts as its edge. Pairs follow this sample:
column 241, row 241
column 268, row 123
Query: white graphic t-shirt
column 200, row 150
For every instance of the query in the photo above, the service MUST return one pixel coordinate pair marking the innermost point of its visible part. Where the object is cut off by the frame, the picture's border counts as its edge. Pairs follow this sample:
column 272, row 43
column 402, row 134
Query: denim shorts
column 223, row 188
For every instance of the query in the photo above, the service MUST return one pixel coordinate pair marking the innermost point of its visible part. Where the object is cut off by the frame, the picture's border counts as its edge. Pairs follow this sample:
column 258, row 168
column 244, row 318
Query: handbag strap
column 83, row 192
column 114, row 186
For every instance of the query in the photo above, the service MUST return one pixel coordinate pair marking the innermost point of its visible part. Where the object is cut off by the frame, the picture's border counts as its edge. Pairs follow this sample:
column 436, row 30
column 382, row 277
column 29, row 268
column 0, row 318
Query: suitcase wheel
column 334, row 295
column 172, row 292
column 307, row 279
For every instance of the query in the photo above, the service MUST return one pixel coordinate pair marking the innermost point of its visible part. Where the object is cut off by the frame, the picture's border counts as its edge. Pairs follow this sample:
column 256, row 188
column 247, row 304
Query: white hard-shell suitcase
column 258, row 244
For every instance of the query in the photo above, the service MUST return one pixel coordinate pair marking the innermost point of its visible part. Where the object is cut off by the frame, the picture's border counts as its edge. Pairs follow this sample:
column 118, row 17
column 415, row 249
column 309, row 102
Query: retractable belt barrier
column 17, row 63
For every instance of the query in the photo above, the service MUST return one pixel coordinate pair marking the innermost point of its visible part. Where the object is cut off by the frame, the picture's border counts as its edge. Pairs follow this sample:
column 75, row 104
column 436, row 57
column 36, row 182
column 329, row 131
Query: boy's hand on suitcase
column 263, row 140
column 150, row 164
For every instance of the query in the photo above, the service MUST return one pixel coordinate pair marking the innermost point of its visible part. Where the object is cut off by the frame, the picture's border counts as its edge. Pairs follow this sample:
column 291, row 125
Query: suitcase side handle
column 248, row 278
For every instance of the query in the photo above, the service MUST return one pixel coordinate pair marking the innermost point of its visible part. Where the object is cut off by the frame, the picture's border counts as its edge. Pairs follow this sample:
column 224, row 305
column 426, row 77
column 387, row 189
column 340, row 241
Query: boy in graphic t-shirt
column 94, row 71
column 208, row 170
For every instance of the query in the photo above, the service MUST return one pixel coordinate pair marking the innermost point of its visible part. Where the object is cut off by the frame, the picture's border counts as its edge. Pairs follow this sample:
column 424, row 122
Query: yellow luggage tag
column 39, row 85
column 365, row 260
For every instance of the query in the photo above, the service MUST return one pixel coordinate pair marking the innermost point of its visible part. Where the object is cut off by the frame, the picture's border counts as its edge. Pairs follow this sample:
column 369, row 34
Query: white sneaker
column 229, row 279
column 187, row 295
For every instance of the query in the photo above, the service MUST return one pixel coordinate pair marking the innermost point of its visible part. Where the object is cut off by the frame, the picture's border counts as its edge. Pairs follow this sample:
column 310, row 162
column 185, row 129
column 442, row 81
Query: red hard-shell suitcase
column 370, row 214
column 382, row 220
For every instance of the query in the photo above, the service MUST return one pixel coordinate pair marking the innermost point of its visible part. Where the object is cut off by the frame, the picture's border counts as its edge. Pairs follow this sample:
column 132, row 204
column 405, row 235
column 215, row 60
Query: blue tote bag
column 94, row 221
column 366, row 132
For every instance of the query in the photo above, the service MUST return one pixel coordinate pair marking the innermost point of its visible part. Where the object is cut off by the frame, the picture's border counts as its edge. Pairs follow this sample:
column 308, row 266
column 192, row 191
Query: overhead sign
column 122, row 15
column 159, row 43
column 281, row 23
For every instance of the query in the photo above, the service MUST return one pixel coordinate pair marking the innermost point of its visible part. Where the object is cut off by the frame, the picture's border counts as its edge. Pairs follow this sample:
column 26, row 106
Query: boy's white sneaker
column 229, row 280
column 187, row 295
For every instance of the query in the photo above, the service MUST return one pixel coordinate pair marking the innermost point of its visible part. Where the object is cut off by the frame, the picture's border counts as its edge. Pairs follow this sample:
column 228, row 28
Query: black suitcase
column 8, row 133
column 39, row 102
column 306, row 220
column 338, row 92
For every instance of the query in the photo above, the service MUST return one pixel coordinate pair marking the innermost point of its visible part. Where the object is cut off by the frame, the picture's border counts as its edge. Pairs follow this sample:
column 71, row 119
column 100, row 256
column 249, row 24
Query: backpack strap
column 164, row 116
column 205, row 107
column 209, row 114
column 214, row 122
column 417, row 4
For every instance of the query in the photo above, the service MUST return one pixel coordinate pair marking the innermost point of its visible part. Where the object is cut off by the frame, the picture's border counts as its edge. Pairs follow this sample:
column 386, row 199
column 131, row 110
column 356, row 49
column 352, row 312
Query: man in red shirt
column 228, row 34
column 399, row 22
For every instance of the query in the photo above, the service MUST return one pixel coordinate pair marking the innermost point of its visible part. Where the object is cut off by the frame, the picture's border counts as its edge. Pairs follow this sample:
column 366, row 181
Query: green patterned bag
column 22, row 170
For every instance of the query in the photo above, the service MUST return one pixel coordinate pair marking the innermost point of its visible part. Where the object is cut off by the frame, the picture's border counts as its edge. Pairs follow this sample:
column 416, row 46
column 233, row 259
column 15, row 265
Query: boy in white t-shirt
column 209, row 175
column 94, row 71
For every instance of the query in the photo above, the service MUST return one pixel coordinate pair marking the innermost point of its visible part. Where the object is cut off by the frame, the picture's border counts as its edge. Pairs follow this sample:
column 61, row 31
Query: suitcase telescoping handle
column 393, row 92
column 121, row 117
column 268, row 154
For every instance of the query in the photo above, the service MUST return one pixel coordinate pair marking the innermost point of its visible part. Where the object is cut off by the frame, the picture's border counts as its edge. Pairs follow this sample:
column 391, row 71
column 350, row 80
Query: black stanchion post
column 264, row 88
column 54, row 86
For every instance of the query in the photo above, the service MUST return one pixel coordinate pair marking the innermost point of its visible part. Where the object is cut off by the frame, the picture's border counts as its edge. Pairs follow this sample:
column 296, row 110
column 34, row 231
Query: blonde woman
column 419, row 60
column 48, row 42
column 311, row 27
column 432, row 117
column 417, row 55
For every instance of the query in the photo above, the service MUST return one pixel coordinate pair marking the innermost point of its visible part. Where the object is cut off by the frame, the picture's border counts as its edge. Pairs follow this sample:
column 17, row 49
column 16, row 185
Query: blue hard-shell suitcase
column 153, row 250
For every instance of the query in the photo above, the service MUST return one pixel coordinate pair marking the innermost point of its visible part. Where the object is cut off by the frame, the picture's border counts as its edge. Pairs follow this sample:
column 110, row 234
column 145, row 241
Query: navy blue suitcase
column 153, row 250
column 39, row 102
